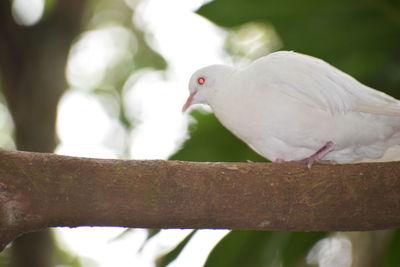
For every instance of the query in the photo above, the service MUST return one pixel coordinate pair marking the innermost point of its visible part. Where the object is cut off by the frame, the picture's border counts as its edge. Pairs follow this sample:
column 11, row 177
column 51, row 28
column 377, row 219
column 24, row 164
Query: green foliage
column 243, row 248
column 359, row 37
column 210, row 141
column 65, row 258
column 5, row 257
column 297, row 246
column 150, row 234
column 49, row 6
column 257, row 248
column 392, row 253
column 169, row 257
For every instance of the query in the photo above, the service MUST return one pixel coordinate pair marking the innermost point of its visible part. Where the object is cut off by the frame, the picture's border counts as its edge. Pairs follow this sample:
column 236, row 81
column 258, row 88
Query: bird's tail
column 392, row 154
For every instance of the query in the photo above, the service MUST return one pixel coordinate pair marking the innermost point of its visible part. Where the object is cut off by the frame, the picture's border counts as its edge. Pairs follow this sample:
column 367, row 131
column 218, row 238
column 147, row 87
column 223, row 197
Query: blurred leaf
column 173, row 254
column 360, row 37
column 259, row 248
column 63, row 257
column 49, row 6
column 298, row 245
column 122, row 234
column 5, row 257
column 210, row 141
column 241, row 248
column 146, row 57
column 251, row 40
column 392, row 253
column 150, row 234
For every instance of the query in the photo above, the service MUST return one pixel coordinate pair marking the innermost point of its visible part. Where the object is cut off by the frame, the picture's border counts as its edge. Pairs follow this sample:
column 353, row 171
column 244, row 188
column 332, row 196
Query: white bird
column 293, row 107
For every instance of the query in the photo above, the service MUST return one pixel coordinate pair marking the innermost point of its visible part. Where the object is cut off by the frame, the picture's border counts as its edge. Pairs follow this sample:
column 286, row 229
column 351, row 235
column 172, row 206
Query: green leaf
column 210, row 141
column 392, row 254
column 173, row 254
column 150, row 234
column 240, row 248
column 261, row 248
column 298, row 245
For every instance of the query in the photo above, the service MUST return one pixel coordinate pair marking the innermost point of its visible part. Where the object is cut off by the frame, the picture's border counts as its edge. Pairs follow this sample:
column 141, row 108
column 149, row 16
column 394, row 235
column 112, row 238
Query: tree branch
column 47, row 190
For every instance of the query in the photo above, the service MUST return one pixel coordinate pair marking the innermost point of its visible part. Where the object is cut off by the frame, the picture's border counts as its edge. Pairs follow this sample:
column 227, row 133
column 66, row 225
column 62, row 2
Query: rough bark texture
column 46, row 190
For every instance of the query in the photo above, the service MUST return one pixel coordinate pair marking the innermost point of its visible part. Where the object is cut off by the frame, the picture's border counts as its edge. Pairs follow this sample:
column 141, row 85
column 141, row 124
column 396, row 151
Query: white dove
column 293, row 107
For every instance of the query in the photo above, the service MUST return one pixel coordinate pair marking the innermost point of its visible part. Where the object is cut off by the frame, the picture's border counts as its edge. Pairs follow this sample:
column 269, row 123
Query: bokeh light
column 27, row 12
column 88, row 122
column 96, row 52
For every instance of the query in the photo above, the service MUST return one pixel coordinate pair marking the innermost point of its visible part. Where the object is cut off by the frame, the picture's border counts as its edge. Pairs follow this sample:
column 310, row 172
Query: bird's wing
column 316, row 83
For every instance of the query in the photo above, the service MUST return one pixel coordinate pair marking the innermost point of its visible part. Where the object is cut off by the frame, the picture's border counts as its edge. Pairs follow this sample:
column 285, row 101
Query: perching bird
column 293, row 107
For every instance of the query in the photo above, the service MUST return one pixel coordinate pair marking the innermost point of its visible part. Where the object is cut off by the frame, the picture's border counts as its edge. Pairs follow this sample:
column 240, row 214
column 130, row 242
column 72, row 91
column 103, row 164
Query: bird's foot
column 308, row 161
column 316, row 157
column 311, row 161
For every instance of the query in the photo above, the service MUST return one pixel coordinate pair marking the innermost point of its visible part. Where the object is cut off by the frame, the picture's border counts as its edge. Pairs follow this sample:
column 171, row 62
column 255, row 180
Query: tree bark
column 46, row 190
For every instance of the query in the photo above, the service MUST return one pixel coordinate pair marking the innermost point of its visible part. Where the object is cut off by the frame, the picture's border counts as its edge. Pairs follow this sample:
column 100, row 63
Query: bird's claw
column 308, row 161
column 316, row 157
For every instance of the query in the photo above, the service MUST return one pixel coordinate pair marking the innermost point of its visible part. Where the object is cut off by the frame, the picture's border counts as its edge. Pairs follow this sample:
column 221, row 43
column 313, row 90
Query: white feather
column 288, row 105
column 321, row 85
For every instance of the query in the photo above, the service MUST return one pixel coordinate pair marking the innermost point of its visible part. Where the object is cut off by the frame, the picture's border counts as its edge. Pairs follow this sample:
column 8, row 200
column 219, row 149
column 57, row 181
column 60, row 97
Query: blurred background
column 108, row 78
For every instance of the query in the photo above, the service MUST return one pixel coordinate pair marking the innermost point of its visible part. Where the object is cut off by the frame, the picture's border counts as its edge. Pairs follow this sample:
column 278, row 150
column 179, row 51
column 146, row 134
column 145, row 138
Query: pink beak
column 188, row 102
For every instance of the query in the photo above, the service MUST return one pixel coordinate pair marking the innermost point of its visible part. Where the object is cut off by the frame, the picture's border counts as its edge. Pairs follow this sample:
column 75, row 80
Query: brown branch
column 46, row 190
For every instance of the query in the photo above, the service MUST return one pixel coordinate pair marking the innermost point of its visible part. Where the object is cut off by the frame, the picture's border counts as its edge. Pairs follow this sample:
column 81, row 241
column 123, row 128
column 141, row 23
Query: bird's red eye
column 201, row 80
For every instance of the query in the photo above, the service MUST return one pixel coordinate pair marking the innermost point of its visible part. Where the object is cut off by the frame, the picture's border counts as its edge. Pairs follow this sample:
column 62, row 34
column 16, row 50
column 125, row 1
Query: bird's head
column 204, row 83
